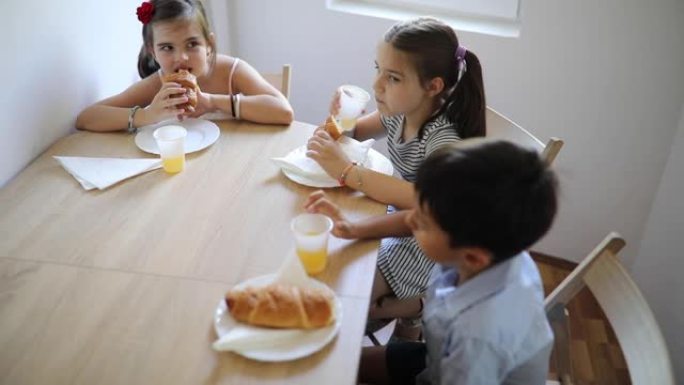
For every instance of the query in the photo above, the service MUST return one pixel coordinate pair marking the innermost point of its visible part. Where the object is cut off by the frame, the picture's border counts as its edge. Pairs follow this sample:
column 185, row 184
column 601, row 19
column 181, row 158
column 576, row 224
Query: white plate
column 375, row 161
column 308, row 341
column 201, row 134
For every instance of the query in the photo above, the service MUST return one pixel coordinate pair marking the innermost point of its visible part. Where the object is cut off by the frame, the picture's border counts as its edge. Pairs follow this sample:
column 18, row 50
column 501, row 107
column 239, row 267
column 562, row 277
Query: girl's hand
column 165, row 103
column 327, row 153
column 204, row 105
column 318, row 202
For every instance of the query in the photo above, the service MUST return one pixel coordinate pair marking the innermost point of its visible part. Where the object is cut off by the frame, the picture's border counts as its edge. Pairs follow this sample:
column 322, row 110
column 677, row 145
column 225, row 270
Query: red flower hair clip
column 145, row 12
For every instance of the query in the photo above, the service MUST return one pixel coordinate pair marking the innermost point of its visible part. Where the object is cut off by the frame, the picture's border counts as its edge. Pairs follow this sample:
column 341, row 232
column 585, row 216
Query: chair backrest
column 625, row 308
column 281, row 80
column 499, row 126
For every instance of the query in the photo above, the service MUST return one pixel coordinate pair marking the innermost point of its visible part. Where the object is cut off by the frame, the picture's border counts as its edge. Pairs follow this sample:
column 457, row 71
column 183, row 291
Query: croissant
column 281, row 306
column 187, row 81
column 332, row 128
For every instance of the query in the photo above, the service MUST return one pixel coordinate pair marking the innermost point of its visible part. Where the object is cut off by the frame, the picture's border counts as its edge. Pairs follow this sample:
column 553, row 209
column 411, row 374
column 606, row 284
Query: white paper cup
column 171, row 143
column 353, row 101
column 311, row 232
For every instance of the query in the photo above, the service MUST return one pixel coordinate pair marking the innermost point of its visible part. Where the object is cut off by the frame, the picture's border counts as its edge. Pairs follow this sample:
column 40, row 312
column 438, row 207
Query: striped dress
column 400, row 260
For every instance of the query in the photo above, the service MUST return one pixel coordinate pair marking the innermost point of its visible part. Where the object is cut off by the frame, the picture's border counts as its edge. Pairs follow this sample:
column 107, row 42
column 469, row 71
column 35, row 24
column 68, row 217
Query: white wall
column 659, row 266
column 325, row 48
column 59, row 57
column 605, row 77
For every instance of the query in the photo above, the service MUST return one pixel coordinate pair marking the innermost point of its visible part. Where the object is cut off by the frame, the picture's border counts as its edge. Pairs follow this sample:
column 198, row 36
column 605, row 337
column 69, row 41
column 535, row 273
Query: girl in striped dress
column 429, row 92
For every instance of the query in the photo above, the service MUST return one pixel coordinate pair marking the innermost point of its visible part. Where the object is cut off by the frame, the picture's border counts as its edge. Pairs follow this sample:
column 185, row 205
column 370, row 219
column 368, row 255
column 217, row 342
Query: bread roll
column 282, row 306
column 187, row 81
column 332, row 128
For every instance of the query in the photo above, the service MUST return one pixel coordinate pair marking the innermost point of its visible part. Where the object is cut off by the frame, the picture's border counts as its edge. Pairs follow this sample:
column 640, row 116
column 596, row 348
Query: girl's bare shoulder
column 223, row 64
column 243, row 80
column 146, row 86
column 152, row 81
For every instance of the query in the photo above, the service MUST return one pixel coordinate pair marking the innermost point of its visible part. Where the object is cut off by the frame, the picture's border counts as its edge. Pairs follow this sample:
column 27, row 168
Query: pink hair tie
column 460, row 61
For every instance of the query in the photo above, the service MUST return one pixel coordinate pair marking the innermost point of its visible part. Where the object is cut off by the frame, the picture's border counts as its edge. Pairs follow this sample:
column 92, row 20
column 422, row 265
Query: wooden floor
column 595, row 352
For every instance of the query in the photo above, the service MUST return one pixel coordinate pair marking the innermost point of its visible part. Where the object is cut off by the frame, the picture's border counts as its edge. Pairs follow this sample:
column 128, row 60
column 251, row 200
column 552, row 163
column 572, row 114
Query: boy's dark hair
column 489, row 193
column 171, row 10
column 431, row 45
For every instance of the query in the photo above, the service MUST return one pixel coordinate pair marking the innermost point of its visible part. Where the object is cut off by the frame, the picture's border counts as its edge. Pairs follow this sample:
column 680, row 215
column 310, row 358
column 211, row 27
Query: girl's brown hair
column 170, row 10
column 431, row 45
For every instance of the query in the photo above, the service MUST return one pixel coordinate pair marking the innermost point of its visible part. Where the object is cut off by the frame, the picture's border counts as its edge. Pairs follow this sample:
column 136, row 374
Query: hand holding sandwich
column 324, row 148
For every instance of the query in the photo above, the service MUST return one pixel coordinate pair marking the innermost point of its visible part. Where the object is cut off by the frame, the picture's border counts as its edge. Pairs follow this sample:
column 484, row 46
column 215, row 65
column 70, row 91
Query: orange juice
column 347, row 123
column 174, row 165
column 314, row 261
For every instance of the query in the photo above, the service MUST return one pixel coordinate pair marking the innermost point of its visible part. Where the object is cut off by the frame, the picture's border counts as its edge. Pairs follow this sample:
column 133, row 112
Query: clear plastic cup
column 311, row 232
column 171, row 142
column 353, row 101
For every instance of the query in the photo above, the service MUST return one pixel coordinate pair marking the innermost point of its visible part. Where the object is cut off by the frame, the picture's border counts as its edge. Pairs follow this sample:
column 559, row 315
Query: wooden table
column 120, row 286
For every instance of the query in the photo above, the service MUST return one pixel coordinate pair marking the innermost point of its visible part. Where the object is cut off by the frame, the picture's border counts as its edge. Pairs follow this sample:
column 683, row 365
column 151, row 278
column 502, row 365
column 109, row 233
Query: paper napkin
column 292, row 272
column 103, row 172
column 298, row 163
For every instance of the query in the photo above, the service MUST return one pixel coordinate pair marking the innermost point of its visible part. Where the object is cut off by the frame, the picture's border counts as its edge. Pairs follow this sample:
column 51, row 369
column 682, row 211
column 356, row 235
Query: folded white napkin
column 103, row 172
column 298, row 163
column 242, row 337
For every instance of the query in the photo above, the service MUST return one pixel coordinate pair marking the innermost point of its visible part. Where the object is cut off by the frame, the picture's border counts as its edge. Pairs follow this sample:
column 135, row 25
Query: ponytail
column 465, row 104
column 433, row 47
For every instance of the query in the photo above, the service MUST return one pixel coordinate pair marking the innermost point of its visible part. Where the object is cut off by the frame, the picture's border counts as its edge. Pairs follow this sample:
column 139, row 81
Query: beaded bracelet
column 342, row 180
column 131, row 115
column 359, row 182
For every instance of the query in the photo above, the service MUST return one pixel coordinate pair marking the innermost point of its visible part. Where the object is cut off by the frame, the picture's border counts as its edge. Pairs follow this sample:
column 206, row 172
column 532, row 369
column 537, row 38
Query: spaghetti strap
column 230, row 76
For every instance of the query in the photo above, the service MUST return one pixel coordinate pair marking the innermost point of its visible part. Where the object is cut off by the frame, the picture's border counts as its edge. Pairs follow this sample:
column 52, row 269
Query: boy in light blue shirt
column 480, row 204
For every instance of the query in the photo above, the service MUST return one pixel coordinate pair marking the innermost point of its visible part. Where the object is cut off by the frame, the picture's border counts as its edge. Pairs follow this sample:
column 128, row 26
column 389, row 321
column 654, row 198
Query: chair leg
column 558, row 318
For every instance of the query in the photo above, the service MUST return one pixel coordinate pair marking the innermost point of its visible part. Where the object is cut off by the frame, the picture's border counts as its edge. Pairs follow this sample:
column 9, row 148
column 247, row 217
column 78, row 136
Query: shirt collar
column 479, row 288
column 437, row 122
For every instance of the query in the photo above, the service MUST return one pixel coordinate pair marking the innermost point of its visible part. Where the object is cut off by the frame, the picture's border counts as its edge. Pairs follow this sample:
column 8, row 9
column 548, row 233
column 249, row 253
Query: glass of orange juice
column 311, row 233
column 171, row 142
column 353, row 100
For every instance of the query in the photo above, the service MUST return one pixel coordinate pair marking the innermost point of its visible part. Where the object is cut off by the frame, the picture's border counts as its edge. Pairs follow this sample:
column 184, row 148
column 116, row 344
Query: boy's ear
column 435, row 86
column 477, row 258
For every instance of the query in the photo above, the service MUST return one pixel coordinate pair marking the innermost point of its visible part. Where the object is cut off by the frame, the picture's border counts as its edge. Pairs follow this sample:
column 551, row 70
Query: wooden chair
column 625, row 308
column 499, row 126
column 281, row 80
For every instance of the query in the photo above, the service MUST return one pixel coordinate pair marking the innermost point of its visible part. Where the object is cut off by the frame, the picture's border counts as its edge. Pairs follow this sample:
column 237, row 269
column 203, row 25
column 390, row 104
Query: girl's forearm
column 391, row 225
column 103, row 118
column 381, row 187
column 257, row 108
column 265, row 109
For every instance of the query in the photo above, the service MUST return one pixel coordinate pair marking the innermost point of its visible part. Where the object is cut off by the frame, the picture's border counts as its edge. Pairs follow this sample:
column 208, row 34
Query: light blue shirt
column 492, row 329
